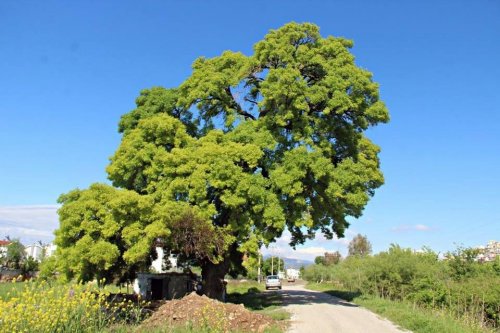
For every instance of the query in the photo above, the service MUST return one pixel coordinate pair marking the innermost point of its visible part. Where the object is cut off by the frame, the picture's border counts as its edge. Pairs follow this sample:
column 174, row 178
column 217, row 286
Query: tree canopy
column 319, row 260
column 15, row 255
column 245, row 148
column 360, row 246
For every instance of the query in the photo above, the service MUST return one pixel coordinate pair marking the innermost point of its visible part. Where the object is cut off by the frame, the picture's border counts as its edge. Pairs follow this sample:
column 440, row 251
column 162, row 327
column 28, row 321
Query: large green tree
column 245, row 148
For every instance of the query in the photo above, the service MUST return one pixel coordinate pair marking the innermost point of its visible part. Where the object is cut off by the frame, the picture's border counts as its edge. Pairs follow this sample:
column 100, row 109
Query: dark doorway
column 156, row 289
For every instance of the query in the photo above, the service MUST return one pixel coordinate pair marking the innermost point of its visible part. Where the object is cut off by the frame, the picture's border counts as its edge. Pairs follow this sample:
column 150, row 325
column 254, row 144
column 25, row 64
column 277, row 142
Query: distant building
column 489, row 252
column 50, row 249
column 40, row 251
column 3, row 247
column 35, row 251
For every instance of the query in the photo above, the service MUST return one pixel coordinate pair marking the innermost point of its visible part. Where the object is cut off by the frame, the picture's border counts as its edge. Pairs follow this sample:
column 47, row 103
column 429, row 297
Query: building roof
column 4, row 242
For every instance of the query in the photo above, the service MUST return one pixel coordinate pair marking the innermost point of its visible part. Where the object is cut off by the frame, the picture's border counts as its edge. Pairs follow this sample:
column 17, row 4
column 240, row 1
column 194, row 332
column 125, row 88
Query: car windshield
column 272, row 277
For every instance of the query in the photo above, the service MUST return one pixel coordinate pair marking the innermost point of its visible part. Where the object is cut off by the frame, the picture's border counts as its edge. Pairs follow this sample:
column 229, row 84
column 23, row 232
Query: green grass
column 10, row 289
column 406, row 315
column 251, row 294
column 178, row 329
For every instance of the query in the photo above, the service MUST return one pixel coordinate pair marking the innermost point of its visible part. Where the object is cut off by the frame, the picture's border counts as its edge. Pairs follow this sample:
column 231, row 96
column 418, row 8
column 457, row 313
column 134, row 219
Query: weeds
column 40, row 307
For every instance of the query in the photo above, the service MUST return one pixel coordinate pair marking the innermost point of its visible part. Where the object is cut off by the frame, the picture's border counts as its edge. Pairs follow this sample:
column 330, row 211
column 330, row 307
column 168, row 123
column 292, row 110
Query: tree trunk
column 213, row 279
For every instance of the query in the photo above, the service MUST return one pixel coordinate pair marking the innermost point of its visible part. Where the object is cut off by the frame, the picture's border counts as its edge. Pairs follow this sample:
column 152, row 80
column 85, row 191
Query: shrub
column 464, row 287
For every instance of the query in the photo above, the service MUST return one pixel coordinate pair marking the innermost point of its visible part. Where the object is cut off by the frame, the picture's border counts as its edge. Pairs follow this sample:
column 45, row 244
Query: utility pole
column 272, row 265
column 258, row 270
column 278, row 263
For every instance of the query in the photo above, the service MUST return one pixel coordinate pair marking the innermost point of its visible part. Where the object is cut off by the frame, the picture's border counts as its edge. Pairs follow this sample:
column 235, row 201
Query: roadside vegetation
column 52, row 307
column 417, row 290
column 49, row 306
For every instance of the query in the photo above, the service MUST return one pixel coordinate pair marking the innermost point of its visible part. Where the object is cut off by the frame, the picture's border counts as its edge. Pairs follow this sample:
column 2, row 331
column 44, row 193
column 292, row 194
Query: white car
column 273, row 281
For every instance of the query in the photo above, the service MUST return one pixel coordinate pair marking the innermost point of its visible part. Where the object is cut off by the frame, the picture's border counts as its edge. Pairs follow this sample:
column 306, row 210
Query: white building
column 38, row 252
column 50, row 249
column 35, row 251
column 161, row 283
column 158, row 265
column 489, row 252
column 3, row 248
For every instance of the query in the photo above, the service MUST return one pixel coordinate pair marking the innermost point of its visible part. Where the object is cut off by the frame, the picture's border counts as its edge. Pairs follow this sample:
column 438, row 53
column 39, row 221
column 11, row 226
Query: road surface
column 317, row 312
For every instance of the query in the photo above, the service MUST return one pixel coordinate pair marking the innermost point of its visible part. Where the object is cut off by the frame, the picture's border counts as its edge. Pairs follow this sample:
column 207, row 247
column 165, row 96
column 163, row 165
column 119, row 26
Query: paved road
column 316, row 312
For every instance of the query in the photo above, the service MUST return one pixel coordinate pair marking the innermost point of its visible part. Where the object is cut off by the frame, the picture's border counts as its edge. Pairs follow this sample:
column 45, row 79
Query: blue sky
column 69, row 70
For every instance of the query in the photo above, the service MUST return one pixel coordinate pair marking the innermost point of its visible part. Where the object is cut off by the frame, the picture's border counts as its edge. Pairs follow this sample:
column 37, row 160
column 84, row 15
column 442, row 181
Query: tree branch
column 236, row 106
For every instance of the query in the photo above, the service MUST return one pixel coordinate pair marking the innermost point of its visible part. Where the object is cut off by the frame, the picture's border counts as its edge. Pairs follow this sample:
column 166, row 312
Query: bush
column 461, row 285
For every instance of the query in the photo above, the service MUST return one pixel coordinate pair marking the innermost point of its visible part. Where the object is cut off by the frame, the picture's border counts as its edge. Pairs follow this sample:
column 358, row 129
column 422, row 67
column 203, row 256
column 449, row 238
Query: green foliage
column 29, row 265
column 465, row 288
column 270, row 266
column 251, row 265
column 317, row 273
column 360, row 246
column 15, row 255
column 105, row 233
column 319, row 260
column 332, row 258
column 462, row 263
column 10, row 289
column 48, row 268
column 250, row 145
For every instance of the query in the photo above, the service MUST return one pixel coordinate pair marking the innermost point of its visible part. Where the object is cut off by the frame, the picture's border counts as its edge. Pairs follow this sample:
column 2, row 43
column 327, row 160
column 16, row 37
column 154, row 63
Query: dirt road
column 316, row 312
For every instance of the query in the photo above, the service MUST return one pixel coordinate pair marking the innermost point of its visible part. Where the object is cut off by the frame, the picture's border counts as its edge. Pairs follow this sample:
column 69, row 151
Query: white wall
column 34, row 251
column 50, row 250
column 157, row 264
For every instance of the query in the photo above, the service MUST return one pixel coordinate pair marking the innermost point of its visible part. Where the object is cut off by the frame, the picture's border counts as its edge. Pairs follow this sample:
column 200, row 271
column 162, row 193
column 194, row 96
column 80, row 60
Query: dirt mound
column 201, row 311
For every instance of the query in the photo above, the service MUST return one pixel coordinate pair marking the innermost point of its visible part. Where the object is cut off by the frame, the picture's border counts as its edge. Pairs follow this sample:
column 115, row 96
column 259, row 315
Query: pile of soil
column 201, row 311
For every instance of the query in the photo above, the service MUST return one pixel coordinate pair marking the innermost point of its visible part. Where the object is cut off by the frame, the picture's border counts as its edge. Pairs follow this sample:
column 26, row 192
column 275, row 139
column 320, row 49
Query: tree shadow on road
column 345, row 295
column 295, row 297
column 255, row 299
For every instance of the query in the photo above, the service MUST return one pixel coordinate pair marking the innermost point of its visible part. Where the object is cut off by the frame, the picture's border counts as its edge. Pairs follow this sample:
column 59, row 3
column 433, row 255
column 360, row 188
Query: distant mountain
column 294, row 263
